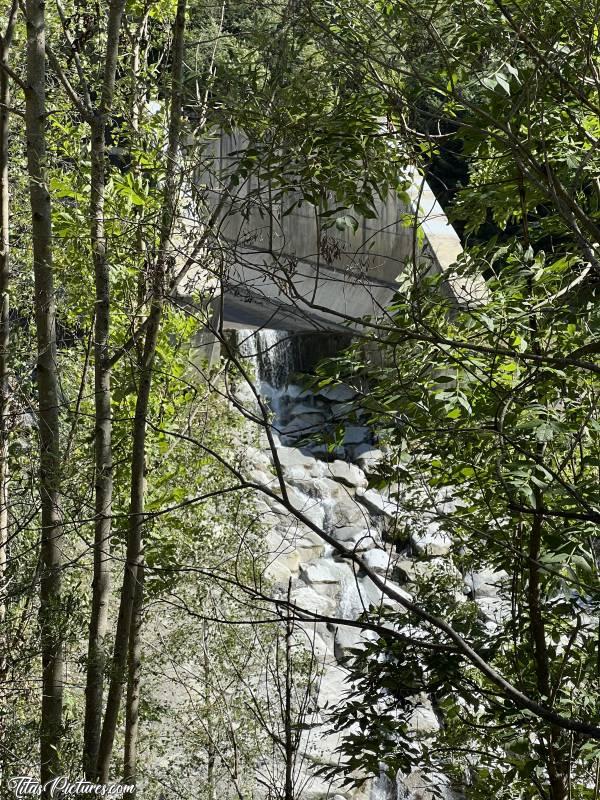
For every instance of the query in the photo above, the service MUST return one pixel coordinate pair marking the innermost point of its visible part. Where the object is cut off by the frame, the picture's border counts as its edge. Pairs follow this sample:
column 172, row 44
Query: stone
column 342, row 410
column 423, row 720
column 407, row 570
column 312, row 509
column 304, row 424
column 308, row 599
column 356, row 434
column 321, row 571
column 309, row 551
column 309, row 408
column 377, row 503
column 493, row 610
column 432, row 542
column 349, row 533
column 263, row 478
column 337, row 394
column 348, row 474
column 294, row 457
column 348, row 637
column 347, row 513
column 367, row 457
column 283, row 551
column 258, row 459
column 376, row 596
column 278, row 573
column 332, row 687
column 323, row 451
column 361, row 541
column 379, row 561
column 417, row 786
column 486, row 583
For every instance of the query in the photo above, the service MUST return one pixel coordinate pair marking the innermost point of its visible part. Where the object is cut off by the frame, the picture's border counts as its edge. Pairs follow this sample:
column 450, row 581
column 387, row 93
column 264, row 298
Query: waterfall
column 273, row 354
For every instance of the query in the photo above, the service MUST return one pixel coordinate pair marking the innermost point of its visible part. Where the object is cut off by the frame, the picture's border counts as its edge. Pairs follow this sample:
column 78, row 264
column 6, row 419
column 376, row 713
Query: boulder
column 307, row 598
column 304, row 424
column 349, row 533
column 367, row 457
column 310, row 550
column 337, row 394
column 348, row 638
column 377, row 503
column 294, row 457
column 431, row 542
column 332, row 687
column 347, row 513
column 361, row 541
column 308, row 506
column 486, row 583
column 278, row 573
column 418, row 786
column 423, row 720
column 357, row 434
column 262, row 478
column 379, row 561
column 407, row 570
column 348, row 474
column 322, row 571
column 376, row 596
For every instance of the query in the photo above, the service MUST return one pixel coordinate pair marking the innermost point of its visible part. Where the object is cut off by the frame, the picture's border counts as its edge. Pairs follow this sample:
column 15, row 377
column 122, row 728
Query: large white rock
column 348, row 513
column 360, row 541
column 407, row 570
column 311, row 508
column 263, row 478
column 378, row 504
column 376, row 596
column 278, row 573
column 379, row 561
column 346, row 473
column 431, row 542
column 307, row 598
column 349, row 637
column 349, row 533
column 486, row 583
column 294, row 457
column 322, row 571
column 332, row 687
column 423, row 720
column 367, row 457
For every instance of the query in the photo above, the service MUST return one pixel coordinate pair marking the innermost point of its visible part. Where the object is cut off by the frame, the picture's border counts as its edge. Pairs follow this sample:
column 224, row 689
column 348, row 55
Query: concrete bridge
column 284, row 271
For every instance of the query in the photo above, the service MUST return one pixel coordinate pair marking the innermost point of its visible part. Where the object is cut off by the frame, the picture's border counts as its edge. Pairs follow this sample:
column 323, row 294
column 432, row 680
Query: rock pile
column 328, row 485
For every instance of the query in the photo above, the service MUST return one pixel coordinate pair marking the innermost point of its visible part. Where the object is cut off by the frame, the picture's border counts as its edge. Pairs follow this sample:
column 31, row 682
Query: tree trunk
column 50, row 615
column 5, row 43
column 289, row 744
column 103, row 404
column 132, row 707
column 136, row 507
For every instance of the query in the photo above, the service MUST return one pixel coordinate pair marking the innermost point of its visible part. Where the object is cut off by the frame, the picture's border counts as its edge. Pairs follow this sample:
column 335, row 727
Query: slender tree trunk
column 289, row 744
column 211, row 750
column 103, row 404
column 132, row 705
column 136, row 507
column 48, row 397
column 5, row 43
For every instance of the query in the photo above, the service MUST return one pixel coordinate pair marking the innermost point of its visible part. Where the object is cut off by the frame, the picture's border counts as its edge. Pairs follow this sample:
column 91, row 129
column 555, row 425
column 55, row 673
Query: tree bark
column 136, row 506
column 103, row 405
column 132, row 703
column 48, row 398
column 5, row 43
